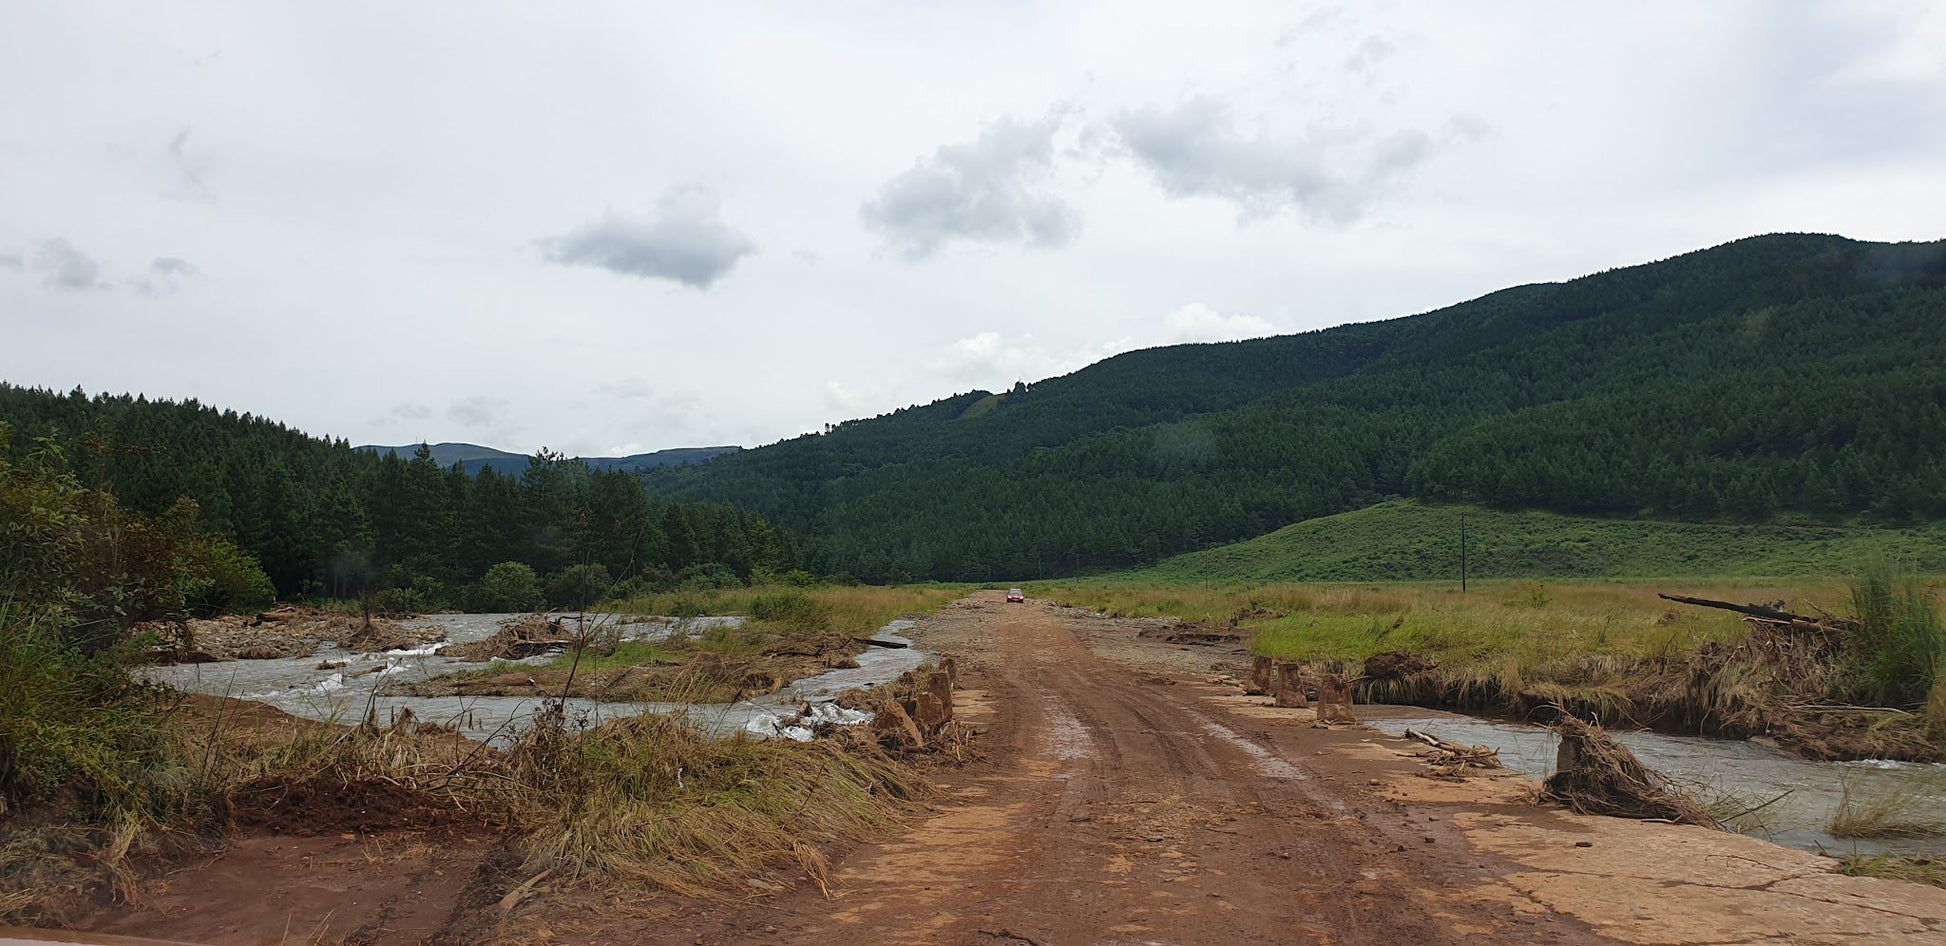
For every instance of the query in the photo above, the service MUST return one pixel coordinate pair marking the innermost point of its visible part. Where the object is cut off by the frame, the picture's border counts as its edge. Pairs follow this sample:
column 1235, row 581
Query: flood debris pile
column 284, row 632
column 1595, row 775
column 1450, row 760
column 518, row 638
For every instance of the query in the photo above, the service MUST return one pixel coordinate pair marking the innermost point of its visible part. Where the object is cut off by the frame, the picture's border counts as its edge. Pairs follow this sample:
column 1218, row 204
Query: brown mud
column 285, row 632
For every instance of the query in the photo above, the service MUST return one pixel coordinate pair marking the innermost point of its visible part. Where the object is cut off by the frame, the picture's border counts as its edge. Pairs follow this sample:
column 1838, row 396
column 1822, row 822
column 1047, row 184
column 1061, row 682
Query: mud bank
column 1689, row 699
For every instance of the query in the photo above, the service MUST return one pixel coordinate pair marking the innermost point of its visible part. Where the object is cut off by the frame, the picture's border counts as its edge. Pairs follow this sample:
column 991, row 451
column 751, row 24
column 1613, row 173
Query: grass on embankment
column 1405, row 540
column 1614, row 651
column 852, row 610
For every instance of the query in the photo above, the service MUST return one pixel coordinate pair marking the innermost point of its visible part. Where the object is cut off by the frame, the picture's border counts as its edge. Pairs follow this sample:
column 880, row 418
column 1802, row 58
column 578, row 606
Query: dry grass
column 1885, row 815
column 648, row 802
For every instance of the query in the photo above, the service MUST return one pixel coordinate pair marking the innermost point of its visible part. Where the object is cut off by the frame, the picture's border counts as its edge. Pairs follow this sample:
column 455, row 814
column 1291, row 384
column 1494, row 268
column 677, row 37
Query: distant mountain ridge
column 475, row 458
column 1793, row 375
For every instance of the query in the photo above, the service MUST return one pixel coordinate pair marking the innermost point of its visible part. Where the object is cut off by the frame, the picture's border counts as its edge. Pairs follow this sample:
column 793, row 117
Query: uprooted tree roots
column 1595, row 775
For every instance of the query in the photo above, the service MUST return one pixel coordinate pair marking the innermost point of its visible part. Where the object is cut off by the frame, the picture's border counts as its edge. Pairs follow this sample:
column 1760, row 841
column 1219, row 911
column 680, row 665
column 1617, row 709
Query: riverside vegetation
column 99, row 771
column 1615, row 651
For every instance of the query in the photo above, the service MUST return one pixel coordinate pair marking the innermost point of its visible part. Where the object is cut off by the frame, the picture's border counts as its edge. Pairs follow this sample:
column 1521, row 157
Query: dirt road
column 1131, row 800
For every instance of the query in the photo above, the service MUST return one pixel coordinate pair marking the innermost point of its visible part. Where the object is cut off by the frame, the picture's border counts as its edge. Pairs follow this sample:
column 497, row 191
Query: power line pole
column 1463, row 562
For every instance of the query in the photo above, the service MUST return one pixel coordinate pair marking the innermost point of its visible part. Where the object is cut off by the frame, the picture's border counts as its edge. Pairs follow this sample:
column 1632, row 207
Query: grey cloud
column 478, row 411
column 411, row 411
column 684, row 240
column 189, row 169
column 1196, row 150
column 165, row 272
column 990, row 189
column 12, row 261
column 64, row 267
column 1369, row 53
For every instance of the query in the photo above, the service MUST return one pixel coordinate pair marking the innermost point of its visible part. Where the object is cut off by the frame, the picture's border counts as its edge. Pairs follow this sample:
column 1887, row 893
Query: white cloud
column 1197, row 322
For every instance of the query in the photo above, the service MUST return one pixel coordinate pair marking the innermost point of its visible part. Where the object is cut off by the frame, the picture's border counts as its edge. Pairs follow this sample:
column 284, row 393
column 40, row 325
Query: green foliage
column 510, row 586
column 73, row 726
column 578, row 587
column 1406, row 540
column 1900, row 644
column 1787, row 375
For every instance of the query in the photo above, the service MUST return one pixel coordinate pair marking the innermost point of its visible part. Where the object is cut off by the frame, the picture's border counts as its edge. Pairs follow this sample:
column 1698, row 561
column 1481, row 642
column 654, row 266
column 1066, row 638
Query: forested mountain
column 325, row 518
column 1786, row 374
column 475, row 458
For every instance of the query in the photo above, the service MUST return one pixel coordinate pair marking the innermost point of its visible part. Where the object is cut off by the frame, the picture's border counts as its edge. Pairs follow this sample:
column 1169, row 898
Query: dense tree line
column 1791, row 375
column 324, row 519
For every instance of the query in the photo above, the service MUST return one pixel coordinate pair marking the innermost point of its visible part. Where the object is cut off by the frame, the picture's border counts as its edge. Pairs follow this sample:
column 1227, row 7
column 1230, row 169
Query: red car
column 1014, row 596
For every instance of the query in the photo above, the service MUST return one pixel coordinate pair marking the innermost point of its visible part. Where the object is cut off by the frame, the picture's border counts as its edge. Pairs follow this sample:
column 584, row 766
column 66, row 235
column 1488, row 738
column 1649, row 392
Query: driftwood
column 1766, row 613
column 875, row 642
column 1452, row 755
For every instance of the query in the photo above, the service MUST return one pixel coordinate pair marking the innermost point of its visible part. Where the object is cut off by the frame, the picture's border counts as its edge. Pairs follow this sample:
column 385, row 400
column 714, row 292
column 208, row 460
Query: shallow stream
column 1751, row 771
column 302, row 686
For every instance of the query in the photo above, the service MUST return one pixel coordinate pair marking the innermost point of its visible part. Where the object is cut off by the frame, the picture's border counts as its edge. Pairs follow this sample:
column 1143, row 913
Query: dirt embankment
column 285, row 632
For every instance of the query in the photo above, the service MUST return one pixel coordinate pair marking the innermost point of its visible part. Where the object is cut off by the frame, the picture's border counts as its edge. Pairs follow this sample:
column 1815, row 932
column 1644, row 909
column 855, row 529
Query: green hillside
column 1407, row 540
column 1794, row 375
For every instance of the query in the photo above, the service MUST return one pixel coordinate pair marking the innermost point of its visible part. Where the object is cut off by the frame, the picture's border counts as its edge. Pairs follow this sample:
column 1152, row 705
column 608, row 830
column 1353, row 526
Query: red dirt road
column 1128, row 806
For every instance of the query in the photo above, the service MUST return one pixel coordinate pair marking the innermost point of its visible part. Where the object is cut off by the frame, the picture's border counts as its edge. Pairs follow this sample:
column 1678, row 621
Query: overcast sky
column 608, row 228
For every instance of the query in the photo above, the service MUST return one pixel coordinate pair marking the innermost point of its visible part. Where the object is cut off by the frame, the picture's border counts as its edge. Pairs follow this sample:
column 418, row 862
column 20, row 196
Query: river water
column 303, row 686
column 1753, row 772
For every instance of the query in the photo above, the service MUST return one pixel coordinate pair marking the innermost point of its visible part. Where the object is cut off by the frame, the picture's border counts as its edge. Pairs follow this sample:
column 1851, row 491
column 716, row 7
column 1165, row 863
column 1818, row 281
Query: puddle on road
column 301, row 687
column 1713, row 766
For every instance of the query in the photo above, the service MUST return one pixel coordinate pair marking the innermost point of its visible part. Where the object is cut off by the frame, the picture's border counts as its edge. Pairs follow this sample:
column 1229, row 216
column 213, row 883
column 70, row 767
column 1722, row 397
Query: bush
column 579, row 586
column 710, row 575
column 72, row 725
column 510, row 586
column 223, row 579
column 793, row 609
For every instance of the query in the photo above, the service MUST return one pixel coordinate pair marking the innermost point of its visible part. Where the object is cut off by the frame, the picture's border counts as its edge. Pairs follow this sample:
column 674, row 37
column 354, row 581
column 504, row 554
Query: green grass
column 1405, row 540
column 857, row 610
column 1907, row 867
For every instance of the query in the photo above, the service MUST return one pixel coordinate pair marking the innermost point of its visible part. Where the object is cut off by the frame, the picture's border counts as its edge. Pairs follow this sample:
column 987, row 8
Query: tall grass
column 1900, row 642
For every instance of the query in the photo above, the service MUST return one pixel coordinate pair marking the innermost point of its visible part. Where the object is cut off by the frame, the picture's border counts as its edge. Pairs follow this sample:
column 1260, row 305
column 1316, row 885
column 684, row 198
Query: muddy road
column 1130, row 799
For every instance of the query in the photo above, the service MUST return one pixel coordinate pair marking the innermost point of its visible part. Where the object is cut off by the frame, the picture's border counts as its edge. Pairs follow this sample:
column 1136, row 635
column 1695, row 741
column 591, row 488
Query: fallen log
column 1757, row 611
column 875, row 642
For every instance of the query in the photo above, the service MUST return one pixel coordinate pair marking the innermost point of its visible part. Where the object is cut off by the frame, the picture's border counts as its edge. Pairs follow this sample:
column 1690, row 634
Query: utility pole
column 1463, row 562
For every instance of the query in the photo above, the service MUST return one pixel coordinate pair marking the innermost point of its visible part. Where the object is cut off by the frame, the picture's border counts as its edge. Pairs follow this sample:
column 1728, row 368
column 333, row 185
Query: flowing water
column 1752, row 772
column 308, row 687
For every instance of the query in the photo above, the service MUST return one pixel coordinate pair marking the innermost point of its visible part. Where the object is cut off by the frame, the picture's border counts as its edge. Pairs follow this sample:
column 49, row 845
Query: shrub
column 510, row 586
column 72, row 724
column 578, row 586
column 710, row 575
column 793, row 609
column 223, row 579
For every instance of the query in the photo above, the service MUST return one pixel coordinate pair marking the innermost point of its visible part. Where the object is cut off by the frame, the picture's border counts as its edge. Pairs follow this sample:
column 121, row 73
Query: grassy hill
column 1406, row 540
column 1786, row 376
